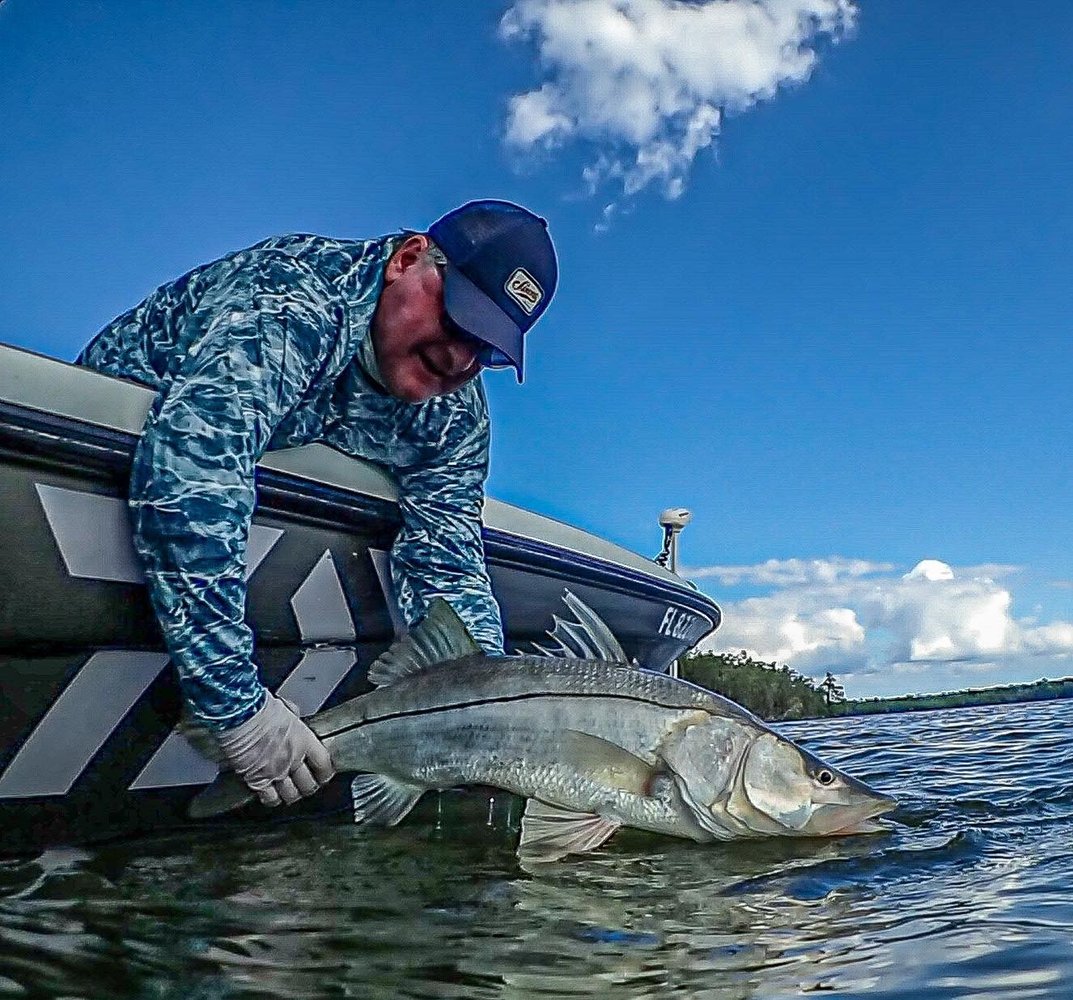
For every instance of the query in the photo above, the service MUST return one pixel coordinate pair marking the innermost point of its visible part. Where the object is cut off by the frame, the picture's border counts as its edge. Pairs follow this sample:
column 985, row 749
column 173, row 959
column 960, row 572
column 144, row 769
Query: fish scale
column 407, row 738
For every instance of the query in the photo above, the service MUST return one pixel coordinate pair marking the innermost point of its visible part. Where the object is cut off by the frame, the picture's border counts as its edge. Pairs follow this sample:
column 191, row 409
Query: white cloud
column 995, row 571
column 788, row 631
column 856, row 617
column 785, row 572
column 1054, row 638
column 647, row 82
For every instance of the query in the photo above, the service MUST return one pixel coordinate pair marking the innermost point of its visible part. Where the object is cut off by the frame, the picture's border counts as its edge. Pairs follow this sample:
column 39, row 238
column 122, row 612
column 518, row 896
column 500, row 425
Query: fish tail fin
column 200, row 738
column 226, row 793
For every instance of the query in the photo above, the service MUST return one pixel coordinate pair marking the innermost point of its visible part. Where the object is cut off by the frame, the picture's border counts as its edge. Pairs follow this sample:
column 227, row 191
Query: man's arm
column 439, row 551
column 264, row 329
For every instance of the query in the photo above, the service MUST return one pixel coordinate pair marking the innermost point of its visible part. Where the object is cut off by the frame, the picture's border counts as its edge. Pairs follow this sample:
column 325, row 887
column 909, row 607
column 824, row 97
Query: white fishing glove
column 277, row 754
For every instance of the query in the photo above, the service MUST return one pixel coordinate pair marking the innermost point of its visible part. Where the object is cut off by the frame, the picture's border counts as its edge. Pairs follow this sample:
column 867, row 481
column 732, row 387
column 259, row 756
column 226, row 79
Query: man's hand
column 277, row 754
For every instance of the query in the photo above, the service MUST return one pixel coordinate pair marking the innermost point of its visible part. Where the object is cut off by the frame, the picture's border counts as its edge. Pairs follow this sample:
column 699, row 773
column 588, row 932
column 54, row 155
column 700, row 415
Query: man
column 373, row 347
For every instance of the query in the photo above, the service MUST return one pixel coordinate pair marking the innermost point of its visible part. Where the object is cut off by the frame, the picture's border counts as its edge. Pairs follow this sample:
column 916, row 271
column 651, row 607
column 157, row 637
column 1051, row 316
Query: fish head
column 784, row 790
column 704, row 753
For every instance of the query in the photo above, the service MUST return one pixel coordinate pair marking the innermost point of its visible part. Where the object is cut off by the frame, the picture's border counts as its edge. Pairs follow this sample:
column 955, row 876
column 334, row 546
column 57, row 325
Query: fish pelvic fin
column 550, row 833
column 587, row 637
column 441, row 637
column 226, row 793
column 382, row 800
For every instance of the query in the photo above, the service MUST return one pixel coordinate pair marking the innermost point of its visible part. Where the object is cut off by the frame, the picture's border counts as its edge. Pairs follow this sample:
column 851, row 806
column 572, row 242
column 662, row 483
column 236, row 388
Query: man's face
column 418, row 358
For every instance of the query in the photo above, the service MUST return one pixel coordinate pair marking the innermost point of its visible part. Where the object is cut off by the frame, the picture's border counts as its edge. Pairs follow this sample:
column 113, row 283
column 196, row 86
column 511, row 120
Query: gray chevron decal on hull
column 176, row 762
column 318, row 674
column 320, row 605
column 309, row 685
column 92, row 533
column 78, row 722
column 382, row 566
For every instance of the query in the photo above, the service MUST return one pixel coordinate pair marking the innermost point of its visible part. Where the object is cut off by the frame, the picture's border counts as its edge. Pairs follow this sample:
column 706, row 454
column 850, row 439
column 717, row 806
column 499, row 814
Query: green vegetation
column 1042, row 690
column 833, row 692
column 766, row 689
column 774, row 691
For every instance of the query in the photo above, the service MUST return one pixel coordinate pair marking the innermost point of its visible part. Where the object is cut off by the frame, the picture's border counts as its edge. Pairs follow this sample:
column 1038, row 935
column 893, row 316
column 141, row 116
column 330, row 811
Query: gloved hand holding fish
column 592, row 742
column 275, row 754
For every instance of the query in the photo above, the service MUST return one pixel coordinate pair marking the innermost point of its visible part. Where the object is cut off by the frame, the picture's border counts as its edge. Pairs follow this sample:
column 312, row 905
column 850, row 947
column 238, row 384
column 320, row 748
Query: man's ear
column 408, row 253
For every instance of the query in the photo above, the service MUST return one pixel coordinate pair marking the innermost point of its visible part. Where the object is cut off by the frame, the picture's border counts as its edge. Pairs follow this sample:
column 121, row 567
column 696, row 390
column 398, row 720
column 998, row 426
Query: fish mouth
column 865, row 822
column 864, row 826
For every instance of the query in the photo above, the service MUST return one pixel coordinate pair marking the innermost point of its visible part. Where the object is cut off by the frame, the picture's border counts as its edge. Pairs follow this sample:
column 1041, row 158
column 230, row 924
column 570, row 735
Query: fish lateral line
column 503, row 700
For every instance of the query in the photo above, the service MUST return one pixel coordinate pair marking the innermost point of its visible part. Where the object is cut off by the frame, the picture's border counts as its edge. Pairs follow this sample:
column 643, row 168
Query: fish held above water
column 593, row 743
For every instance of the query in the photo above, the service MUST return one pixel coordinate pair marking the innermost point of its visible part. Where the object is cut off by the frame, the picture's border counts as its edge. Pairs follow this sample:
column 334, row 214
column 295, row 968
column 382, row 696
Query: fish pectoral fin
column 382, row 800
column 606, row 762
column 440, row 638
column 549, row 833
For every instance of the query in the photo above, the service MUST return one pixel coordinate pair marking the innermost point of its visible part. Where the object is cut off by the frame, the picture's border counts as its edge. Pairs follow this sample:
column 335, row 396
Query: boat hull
column 88, row 701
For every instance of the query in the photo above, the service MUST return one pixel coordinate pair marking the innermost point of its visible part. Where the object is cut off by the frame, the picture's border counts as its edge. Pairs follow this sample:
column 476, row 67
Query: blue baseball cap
column 500, row 276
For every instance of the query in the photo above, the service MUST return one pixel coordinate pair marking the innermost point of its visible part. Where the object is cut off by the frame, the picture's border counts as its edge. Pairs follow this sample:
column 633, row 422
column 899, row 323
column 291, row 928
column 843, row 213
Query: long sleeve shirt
column 269, row 348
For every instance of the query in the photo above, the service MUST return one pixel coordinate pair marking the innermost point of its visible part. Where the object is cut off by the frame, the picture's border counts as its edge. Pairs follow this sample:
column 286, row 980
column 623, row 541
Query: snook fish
column 592, row 742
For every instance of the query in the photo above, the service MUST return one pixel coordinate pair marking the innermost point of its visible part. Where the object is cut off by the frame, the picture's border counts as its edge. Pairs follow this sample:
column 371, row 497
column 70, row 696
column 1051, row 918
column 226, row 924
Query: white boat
column 88, row 704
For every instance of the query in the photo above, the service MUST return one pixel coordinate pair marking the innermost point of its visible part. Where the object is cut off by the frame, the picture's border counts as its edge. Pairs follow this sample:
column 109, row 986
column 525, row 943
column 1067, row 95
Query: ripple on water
column 967, row 895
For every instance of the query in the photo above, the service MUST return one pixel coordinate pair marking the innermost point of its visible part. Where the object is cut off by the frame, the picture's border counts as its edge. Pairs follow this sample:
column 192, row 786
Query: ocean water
column 970, row 894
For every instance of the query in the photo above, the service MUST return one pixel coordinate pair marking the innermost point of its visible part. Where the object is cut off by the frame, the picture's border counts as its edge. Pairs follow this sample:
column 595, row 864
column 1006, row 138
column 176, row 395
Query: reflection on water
column 969, row 895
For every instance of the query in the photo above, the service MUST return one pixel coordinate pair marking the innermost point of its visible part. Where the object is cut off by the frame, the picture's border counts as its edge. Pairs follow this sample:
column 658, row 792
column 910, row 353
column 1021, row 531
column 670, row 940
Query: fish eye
column 824, row 776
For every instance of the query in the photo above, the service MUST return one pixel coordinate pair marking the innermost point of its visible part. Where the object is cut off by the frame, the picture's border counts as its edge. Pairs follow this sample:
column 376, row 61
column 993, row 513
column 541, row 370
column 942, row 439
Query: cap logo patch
column 524, row 289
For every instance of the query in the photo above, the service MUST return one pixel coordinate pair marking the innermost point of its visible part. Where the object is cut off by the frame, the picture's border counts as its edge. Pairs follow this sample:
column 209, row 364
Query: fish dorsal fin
column 550, row 833
column 585, row 638
column 441, row 637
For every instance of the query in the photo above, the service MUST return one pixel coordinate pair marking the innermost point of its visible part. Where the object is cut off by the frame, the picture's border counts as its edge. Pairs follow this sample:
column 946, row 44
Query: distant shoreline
column 778, row 693
column 1007, row 694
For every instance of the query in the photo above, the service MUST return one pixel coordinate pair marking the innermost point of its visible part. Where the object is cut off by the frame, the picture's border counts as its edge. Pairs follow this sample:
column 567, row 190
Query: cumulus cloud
column 781, row 629
column 856, row 617
column 648, row 82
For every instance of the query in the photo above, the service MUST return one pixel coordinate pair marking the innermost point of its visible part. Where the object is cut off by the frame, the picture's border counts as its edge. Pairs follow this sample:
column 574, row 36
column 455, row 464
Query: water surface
column 969, row 895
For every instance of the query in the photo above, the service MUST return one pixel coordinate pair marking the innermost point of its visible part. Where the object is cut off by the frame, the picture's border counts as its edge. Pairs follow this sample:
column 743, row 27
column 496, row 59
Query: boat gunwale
column 288, row 482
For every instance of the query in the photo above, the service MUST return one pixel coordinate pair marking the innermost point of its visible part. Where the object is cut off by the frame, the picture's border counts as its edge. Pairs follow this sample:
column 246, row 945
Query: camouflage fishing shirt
column 269, row 348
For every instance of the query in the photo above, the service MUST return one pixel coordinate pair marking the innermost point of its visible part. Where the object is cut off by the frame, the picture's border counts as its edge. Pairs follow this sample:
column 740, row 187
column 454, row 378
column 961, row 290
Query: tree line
column 770, row 690
column 775, row 691
column 1041, row 690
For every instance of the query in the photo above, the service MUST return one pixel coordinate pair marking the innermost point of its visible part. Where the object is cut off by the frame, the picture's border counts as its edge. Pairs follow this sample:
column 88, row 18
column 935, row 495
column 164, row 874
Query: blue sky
column 828, row 308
